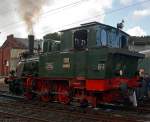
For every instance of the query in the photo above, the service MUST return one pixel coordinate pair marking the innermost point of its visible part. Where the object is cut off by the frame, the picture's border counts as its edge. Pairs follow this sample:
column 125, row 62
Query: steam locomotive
column 89, row 65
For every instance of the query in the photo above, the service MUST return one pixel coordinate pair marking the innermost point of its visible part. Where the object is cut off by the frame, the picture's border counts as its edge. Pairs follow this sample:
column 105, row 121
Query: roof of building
column 19, row 43
column 140, row 41
column 22, row 42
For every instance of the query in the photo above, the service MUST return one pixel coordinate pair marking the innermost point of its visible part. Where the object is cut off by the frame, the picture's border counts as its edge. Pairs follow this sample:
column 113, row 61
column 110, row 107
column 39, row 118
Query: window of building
column 6, row 63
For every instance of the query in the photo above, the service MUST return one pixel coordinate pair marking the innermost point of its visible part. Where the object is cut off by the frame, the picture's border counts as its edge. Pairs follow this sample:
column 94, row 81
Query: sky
column 55, row 15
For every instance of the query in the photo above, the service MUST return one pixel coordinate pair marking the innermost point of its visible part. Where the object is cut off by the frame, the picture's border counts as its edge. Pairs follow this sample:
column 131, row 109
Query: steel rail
column 99, row 117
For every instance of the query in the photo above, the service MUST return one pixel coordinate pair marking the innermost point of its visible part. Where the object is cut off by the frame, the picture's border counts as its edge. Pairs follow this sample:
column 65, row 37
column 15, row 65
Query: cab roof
column 92, row 24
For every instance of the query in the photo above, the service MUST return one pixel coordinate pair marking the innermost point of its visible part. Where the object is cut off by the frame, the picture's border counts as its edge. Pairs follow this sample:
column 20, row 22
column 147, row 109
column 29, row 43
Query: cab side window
column 98, row 38
column 80, row 39
column 104, row 37
column 123, row 42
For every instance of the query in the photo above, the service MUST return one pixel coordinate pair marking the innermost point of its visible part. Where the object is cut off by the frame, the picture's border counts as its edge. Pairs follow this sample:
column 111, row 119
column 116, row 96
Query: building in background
column 140, row 44
column 10, row 52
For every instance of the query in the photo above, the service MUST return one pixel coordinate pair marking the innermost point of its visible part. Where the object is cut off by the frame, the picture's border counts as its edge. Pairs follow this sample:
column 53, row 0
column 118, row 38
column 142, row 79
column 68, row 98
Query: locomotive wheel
column 28, row 85
column 45, row 90
column 28, row 95
column 63, row 95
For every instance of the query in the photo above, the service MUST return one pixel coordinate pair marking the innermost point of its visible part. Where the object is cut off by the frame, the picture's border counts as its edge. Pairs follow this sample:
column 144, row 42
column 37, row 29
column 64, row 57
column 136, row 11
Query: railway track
column 37, row 114
column 33, row 112
column 47, row 112
column 7, row 116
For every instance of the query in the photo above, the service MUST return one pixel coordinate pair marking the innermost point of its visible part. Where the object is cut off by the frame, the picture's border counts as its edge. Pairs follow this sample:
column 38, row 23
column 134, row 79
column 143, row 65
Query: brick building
column 10, row 51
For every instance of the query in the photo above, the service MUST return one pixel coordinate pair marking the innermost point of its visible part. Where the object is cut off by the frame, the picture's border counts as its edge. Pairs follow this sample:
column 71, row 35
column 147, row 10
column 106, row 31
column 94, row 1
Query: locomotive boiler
column 90, row 63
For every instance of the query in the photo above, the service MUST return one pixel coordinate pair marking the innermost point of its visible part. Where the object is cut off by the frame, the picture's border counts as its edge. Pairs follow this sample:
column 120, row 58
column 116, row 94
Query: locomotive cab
column 91, row 35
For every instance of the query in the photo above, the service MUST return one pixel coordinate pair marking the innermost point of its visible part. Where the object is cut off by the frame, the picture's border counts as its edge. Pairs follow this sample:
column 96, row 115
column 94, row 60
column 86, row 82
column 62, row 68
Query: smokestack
column 31, row 43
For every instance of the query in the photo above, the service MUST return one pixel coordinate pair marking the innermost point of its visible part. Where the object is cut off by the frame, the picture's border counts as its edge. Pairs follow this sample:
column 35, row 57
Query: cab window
column 80, row 39
column 104, row 37
column 123, row 41
column 98, row 38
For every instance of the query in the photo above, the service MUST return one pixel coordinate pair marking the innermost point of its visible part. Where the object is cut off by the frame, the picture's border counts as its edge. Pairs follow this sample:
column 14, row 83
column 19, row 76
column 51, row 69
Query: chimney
column 10, row 37
column 31, row 43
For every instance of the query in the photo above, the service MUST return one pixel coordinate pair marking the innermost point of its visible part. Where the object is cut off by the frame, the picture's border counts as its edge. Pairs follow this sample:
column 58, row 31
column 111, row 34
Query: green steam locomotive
column 87, row 64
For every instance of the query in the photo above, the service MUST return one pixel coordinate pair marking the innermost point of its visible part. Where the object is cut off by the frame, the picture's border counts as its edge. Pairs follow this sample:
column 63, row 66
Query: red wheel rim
column 28, row 95
column 45, row 89
column 63, row 95
column 27, row 85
